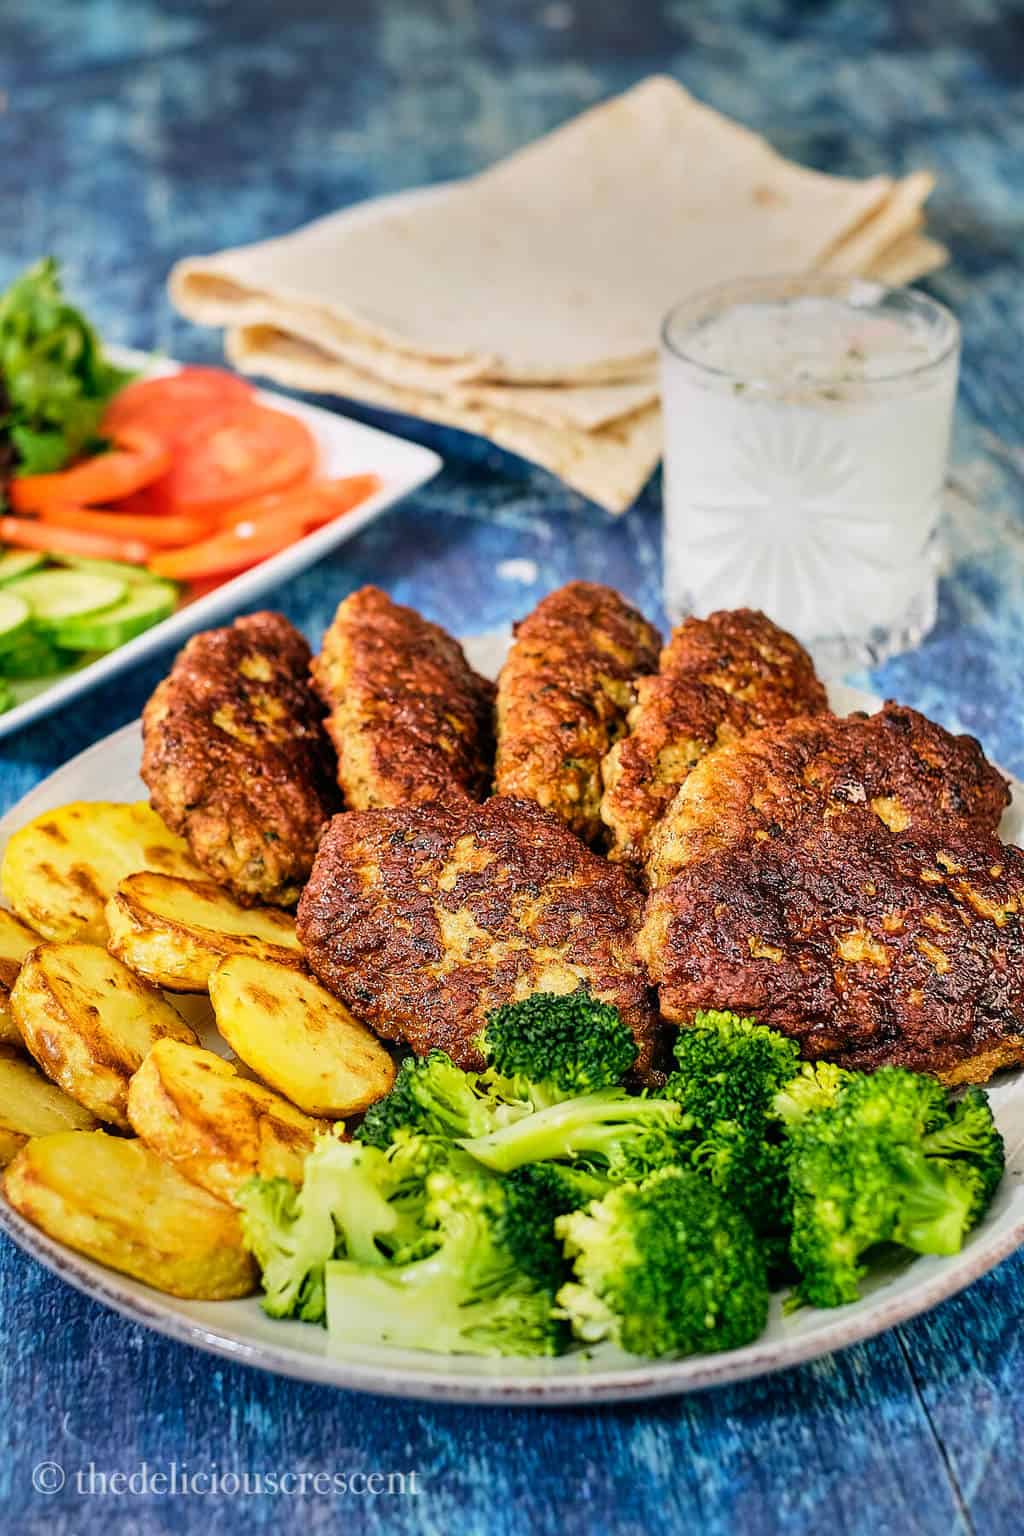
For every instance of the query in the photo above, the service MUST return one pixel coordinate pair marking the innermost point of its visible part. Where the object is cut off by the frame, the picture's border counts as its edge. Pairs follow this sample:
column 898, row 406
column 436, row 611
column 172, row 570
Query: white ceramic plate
column 346, row 448
column 239, row 1330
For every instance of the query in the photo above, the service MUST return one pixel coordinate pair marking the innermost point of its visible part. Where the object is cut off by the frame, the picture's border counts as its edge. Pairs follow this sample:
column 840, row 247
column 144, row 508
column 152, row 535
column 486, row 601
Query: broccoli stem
column 423, row 1305
column 591, row 1124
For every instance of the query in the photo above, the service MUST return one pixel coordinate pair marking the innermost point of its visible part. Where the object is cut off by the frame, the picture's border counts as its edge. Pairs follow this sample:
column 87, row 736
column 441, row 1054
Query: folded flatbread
column 912, row 256
column 557, row 264
column 610, row 465
column 524, row 303
column 898, row 215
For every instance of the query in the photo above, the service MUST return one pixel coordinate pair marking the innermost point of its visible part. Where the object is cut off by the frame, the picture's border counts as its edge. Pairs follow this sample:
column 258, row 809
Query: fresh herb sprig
column 55, row 380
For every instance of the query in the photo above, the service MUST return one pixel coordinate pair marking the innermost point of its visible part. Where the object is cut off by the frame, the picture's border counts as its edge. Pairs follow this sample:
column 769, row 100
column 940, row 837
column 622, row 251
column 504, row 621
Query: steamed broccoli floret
column 354, row 1200
column 433, row 1096
column 550, row 1047
column 666, row 1267
column 970, row 1134
column 540, row 1051
column 546, row 1191
column 530, row 1106
column 730, row 1068
column 815, row 1087
column 290, row 1239
column 728, row 1075
column 626, row 1135
column 892, row 1160
column 486, row 1289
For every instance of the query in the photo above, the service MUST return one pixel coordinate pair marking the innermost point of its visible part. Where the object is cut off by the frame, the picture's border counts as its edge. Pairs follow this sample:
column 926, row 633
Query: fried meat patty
column 563, row 696
column 869, row 948
column 906, row 769
column 424, row 918
column 236, row 759
column 410, row 719
column 718, row 679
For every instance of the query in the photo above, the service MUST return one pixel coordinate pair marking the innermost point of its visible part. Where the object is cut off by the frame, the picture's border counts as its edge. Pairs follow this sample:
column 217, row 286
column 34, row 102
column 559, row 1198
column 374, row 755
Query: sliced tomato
column 250, row 451
column 161, row 530
column 305, row 506
column 236, row 549
column 262, row 526
column 171, row 406
column 24, row 533
column 136, row 459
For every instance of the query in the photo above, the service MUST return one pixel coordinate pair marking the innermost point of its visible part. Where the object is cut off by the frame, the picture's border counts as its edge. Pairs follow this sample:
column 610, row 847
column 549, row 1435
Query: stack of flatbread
column 525, row 303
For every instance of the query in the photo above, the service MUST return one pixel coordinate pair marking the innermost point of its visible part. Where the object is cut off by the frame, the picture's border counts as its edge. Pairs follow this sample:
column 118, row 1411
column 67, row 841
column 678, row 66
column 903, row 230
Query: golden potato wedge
column 60, row 870
column 174, row 932
column 114, row 1200
column 30, row 1105
column 298, row 1038
column 16, row 939
column 191, row 1108
column 88, row 1021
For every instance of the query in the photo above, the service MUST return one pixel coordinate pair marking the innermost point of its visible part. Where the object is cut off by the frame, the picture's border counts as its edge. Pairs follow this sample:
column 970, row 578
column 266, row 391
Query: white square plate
column 346, row 448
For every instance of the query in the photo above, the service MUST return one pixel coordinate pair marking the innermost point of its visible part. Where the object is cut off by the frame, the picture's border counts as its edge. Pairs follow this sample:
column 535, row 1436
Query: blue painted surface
column 136, row 131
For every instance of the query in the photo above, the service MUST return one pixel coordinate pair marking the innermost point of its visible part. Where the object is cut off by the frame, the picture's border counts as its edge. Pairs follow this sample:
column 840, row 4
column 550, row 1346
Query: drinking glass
column 807, row 426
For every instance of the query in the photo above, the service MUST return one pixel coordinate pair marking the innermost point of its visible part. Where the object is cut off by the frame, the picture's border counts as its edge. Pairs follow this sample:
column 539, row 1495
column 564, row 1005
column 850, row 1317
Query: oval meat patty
column 410, row 719
column 869, row 948
column 236, row 759
column 903, row 767
column 422, row 919
column 718, row 679
column 563, row 696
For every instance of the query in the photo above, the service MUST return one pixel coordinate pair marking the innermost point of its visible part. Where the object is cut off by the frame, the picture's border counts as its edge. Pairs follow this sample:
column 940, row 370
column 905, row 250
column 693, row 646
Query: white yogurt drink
column 807, row 426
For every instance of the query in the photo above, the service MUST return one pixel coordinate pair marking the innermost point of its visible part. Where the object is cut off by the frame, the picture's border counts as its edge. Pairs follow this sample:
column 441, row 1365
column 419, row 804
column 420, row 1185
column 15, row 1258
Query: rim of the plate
column 645, row 1379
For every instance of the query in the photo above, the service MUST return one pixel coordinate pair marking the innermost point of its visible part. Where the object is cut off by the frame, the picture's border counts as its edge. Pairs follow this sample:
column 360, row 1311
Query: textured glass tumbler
column 807, row 426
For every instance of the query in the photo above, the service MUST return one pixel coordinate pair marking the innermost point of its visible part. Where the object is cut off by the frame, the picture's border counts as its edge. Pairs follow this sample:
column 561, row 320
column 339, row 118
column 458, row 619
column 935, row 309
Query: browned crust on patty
column 719, row 678
column 236, row 759
column 563, row 697
column 906, row 769
column 424, row 918
column 410, row 719
column 867, row 948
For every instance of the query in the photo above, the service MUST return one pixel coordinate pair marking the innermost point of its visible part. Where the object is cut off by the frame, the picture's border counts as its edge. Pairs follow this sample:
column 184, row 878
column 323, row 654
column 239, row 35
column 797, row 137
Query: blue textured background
column 133, row 132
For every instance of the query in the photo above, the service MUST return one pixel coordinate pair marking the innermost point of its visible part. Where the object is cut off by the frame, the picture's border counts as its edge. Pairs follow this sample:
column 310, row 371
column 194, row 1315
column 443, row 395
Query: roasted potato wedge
column 30, row 1105
column 174, row 932
column 114, row 1200
column 16, row 939
column 60, row 870
column 298, row 1038
column 89, row 1021
column 218, row 1129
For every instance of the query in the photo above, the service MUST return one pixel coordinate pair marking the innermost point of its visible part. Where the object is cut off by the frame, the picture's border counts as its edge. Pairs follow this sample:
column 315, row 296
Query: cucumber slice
column 15, row 619
column 143, row 605
column 18, row 562
column 31, row 657
column 129, row 574
column 6, row 697
column 54, row 596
